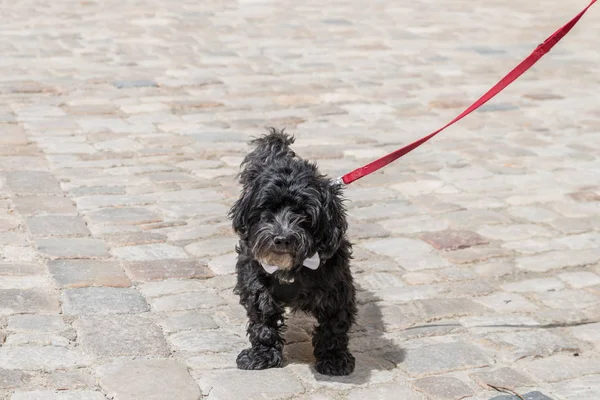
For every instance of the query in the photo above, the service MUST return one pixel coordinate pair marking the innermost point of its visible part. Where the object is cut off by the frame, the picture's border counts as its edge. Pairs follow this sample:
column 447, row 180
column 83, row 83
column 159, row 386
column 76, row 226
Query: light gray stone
column 199, row 341
column 187, row 301
column 18, row 301
column 584, row 388
column 502, row 377
column 412, row 255
column 581, row 279
column 442, row 388
column 243, row 384
column 57, row 225
column 513, row 346
column 72, row 248
column 123, row 216
column 45, row 358
column 120, row 335
column 12, row 379
column 587, row 332
column 534, row 285
column 102, row 300
column 65, row 395
column 44, row 205
column 444, row 357
column 386, row 391
column 149, row 252
column 148, row 380
column 81, row 273
column 558, row 259
column 33, row 182
column 188, row 320
column 507, row 303
column 36, row 323
column 545, row 369
column 569, row 299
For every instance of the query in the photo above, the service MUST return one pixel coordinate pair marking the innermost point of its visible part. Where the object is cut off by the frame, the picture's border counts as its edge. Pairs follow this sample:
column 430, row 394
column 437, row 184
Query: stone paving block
column 44, row 205
column 581, row 279
column 66, row 395
column 133, row 238
column 412, row 255
column 408, row 225
column 148, row 379
column 513, row 232
column 120, row 335
column 36, row 323
column 453, row 240
column 513, row 346
column 498, row 323
column 36, row 338
column 444, row 357
column 149, row 252
column 476, row 254
column 502, row 377
column 72, row 248
column 558, row 259
column 187, row 301
column 386, row 391
column 102, row 301
column 561, row 367
column 507, row 303
column 568, row 299
column 188, row 320
column 474, row 219
column 167, row 269
column 13, row 379
column 33, row 183
column 533, row 246
column 211, row 247
column 123, row 216
column 443, row 388
column 243, row 384
column 18, row 301
column 54, row 225
column 534, row 285
column 45, row 358
column 81, row 273
column 223, row 265
column 527, row 396
column 587, row 332
column 202, row 341
column 70, row 380
column 584, row 388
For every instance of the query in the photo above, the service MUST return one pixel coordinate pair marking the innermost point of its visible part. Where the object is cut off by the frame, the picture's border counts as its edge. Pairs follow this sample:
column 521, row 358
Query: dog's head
column 288, row 212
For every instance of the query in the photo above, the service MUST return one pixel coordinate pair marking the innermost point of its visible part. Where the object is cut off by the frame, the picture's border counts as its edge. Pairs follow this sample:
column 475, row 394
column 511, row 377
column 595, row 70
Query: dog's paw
column 259, row 359
column 336, row 364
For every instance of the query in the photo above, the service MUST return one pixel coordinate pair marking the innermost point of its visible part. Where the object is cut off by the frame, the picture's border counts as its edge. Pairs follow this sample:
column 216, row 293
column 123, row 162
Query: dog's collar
column 311, row 263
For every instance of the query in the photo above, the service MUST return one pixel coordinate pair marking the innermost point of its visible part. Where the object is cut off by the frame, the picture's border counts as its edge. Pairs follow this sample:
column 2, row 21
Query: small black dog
column 293, row 251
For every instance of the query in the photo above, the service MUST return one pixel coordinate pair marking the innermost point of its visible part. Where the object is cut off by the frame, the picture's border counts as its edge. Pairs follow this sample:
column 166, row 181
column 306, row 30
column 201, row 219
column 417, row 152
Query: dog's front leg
column 266, row 321
column 330, row 338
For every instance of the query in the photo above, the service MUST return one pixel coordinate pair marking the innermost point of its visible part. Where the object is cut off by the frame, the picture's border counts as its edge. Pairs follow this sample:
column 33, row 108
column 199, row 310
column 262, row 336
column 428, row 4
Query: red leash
column 538, row 53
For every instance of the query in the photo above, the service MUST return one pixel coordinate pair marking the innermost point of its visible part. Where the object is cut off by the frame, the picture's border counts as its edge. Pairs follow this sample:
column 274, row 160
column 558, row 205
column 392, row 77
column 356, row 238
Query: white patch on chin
column 276, row 261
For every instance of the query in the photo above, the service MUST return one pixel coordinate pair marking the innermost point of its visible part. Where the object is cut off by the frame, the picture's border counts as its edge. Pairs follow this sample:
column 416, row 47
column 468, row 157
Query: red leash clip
column 538, row 53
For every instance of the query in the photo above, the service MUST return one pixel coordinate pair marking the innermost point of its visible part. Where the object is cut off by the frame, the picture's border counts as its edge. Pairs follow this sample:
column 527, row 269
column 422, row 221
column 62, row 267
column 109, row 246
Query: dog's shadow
column 372, row 350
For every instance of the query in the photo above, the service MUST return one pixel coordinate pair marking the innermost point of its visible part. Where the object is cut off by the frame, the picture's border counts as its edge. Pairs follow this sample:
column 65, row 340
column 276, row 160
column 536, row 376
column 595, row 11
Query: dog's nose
column 282, row 240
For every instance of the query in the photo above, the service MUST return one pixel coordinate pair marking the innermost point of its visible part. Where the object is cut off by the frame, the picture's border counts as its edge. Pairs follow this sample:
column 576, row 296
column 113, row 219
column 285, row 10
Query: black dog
column 293, row 251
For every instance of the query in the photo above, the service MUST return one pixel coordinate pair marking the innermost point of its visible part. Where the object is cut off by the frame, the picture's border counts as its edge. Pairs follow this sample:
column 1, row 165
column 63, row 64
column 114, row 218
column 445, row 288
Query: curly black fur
column 287, row 209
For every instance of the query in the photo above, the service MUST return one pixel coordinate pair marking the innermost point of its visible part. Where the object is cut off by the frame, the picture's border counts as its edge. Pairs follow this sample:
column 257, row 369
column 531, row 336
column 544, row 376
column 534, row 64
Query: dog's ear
column 333, row 224
column 241, row 211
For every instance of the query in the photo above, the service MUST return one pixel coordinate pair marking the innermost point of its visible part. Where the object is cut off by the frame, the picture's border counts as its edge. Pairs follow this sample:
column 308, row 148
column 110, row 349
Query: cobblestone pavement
column 122, row 124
